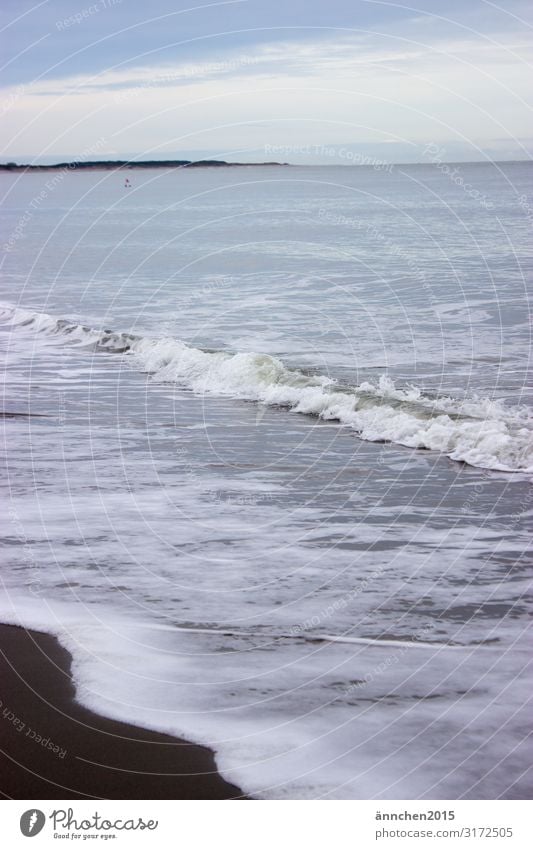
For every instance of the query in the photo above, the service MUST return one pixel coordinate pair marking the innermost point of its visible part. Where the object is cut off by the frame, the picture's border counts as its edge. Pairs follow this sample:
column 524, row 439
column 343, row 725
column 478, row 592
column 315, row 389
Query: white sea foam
column 304, row 721
column 479, row 431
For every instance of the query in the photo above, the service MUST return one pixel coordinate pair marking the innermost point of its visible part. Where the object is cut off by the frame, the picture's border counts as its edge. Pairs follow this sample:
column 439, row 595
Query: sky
column 332, row 82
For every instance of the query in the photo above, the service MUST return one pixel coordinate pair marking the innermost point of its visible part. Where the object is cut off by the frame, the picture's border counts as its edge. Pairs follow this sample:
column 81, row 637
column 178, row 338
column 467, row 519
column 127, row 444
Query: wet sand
column 52, row 748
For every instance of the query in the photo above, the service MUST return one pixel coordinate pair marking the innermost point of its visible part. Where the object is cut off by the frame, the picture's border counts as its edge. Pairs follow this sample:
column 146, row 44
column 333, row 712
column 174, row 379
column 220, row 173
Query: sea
column 268, row 464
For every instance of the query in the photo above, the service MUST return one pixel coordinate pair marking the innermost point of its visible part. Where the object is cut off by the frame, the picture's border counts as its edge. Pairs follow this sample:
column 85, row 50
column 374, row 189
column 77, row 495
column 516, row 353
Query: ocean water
column 268, row 464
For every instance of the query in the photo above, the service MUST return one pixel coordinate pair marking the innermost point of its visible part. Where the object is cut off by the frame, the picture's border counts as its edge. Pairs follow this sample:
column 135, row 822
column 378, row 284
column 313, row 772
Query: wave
column 478, row 431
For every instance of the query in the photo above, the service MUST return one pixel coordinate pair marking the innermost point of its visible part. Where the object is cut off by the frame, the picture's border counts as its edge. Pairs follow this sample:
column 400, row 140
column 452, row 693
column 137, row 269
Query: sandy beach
column 52, row 748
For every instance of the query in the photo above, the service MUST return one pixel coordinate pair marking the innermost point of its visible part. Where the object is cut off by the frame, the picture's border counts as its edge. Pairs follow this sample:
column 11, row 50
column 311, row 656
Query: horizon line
column 378, row 164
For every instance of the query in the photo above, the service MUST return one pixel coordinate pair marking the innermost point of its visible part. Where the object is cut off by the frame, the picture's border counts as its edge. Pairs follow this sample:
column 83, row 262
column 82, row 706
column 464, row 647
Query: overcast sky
column 326, row 81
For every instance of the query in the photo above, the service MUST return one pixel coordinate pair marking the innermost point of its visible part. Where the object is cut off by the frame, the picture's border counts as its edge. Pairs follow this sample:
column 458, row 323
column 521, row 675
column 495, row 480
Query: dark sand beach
column 52, row 748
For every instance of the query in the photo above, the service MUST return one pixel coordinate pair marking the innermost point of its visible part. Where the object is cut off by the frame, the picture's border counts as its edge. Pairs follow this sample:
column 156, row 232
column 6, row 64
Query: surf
column 478, row 431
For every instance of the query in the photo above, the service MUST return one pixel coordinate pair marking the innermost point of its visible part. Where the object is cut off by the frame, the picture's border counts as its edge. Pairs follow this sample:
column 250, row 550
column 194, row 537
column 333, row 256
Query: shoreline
column 127, row 165
column 54, row 748
column 179, row 164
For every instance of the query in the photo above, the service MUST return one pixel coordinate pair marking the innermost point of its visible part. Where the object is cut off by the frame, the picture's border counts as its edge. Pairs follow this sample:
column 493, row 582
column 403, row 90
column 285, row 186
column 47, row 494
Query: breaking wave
column 478, row 431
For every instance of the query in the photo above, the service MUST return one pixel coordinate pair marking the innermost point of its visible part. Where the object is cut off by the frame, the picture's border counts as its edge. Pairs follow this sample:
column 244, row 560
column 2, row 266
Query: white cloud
column 347, row 87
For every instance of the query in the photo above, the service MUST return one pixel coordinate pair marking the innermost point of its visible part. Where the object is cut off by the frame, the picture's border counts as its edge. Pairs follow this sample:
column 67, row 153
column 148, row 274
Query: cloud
column 325, row 73
column 89, row 36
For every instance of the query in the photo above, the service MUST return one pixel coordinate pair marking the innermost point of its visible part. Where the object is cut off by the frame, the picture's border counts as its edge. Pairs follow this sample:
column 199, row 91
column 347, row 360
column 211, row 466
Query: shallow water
column 279, row 516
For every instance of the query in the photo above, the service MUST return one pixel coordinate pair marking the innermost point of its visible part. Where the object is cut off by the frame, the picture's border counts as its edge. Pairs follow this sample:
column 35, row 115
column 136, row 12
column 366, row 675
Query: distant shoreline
column 114, row 165
column 127, row 165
